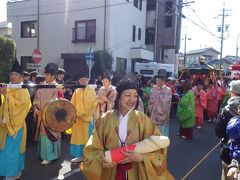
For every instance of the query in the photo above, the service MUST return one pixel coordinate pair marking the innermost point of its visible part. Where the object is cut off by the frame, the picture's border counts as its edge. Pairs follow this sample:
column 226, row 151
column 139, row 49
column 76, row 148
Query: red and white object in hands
column 153, row 143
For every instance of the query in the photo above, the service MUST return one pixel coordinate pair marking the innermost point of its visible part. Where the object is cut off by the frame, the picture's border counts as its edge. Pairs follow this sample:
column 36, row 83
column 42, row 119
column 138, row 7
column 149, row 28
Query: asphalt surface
column 183, row 155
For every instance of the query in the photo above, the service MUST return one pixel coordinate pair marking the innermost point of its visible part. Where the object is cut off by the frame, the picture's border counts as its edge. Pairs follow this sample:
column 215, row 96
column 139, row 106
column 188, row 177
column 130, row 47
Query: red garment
column 212, row 102
column 187, row 132
column 200, row 105
column 221, row 92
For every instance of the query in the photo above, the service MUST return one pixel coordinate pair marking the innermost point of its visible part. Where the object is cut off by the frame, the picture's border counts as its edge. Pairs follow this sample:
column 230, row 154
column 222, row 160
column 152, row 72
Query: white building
column 64, row 30
column 5, row 28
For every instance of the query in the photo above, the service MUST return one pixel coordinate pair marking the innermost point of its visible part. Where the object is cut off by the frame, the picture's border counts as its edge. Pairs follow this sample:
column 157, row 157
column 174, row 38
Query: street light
column 237, row 49
column 185, row 48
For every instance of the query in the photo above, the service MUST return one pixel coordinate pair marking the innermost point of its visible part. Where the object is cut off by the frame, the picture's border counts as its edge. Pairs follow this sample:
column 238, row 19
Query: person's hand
column 232, row 173
column 104, row 98
column 100, row 101
column 132, row 156
column 3, row 89
column 107, row 164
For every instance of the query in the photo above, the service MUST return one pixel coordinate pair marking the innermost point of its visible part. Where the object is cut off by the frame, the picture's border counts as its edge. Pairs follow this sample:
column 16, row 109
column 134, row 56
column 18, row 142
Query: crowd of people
column 118, row 112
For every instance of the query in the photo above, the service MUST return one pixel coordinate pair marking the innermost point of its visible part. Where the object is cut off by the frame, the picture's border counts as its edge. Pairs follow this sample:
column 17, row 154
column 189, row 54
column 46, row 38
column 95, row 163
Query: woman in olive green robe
column 119, row 127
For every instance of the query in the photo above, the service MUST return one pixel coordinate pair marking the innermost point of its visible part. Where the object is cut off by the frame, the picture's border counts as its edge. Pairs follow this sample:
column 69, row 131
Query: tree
column 103, row 62
column 7, row 55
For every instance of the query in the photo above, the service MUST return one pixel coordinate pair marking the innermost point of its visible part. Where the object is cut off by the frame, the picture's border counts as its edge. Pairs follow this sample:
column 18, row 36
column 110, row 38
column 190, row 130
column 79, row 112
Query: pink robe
column 212, row 102
column 200, row 105
column 160, row 104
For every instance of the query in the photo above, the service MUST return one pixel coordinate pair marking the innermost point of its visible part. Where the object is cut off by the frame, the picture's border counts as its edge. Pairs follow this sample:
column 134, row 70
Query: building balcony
column 141, row 53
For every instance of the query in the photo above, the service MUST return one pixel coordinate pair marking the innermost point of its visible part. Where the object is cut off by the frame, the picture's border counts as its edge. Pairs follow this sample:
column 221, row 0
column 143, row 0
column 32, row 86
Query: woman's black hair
column 124, row 85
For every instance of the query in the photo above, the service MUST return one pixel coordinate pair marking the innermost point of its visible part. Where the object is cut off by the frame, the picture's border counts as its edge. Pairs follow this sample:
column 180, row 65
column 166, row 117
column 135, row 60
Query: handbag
column 224, row 154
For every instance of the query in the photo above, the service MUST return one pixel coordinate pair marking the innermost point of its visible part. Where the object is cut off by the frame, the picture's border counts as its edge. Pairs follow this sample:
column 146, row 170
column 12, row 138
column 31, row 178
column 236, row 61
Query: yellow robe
column 154, row 165
column 85, row 102
column 14, row 110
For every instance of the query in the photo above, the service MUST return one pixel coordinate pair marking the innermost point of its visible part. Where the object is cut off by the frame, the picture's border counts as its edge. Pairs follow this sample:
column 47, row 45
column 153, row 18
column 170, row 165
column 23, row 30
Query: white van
column 147, row 69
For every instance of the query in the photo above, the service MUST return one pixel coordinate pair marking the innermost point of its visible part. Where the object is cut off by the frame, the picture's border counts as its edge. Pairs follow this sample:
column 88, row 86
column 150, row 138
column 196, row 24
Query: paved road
column 183, row 156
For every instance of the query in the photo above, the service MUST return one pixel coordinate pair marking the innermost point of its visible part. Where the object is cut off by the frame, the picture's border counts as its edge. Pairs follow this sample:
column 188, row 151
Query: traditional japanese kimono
column 200, row 105
column 85, row 102
column 212, row 102
column 47, row 148
column 106, row 136
column 159, row 107
column 111, row 93
column 146, row 92
column 13, row 111
column 186, row 115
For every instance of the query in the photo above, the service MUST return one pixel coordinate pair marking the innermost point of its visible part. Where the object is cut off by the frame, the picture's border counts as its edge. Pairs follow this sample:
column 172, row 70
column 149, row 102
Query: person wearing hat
column 212, row 101
column 26, row 77
column 14, row 106
column 229, row 111
column 60, row 76
column 122, row 126
column 160, row 105
column 33, row 75
column 85, row 102
column 48, row 140
column 171, row 84
column 106, row 96
column 200, row 103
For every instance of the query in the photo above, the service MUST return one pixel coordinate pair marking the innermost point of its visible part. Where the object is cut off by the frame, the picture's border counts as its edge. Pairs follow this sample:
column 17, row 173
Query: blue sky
column 206, row 11
column 201, row 11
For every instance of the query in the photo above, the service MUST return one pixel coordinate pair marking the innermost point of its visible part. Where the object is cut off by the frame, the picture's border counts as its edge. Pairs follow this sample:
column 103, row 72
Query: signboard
column 36, row 56
column 33, row 66
column 90, row 54
column 90, row 63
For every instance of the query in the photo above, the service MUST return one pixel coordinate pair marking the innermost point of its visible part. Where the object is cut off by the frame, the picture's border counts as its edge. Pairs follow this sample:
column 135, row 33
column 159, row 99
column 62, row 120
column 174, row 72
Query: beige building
column 192, row 57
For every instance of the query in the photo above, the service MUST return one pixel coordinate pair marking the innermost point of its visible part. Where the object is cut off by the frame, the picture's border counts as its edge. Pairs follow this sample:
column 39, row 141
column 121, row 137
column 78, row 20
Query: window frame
column 168, row 22
column 30, row 34
column 134, row 33
column 75, row 31
column 139, row 34
column 135, row 3
column 168, row 7
column 149, row 41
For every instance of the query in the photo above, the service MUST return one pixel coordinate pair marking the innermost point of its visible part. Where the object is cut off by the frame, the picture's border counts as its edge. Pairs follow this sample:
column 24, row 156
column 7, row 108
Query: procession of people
column 107, row 118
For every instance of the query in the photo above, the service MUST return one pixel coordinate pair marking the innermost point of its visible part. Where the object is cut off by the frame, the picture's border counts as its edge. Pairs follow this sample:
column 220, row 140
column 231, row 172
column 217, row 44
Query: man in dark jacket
column 229, row 111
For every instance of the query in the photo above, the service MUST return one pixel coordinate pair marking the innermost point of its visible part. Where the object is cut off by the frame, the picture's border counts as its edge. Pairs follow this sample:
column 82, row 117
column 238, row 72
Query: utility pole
column 222, row 32
column 236, row 58
column 185, row 47
column 38, row 24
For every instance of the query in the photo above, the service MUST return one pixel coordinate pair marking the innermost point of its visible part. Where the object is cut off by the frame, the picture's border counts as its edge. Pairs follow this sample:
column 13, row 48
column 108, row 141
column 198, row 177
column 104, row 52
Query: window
column 151, row 5
column 29, row 29
column 169, row 7
column 140, row 4
column 139, row 33
column 133, row 33
column 135, row 3
column 168, row 21
column 148, row 72
column 84, row 31
column 150, row 35
column 121, row 65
